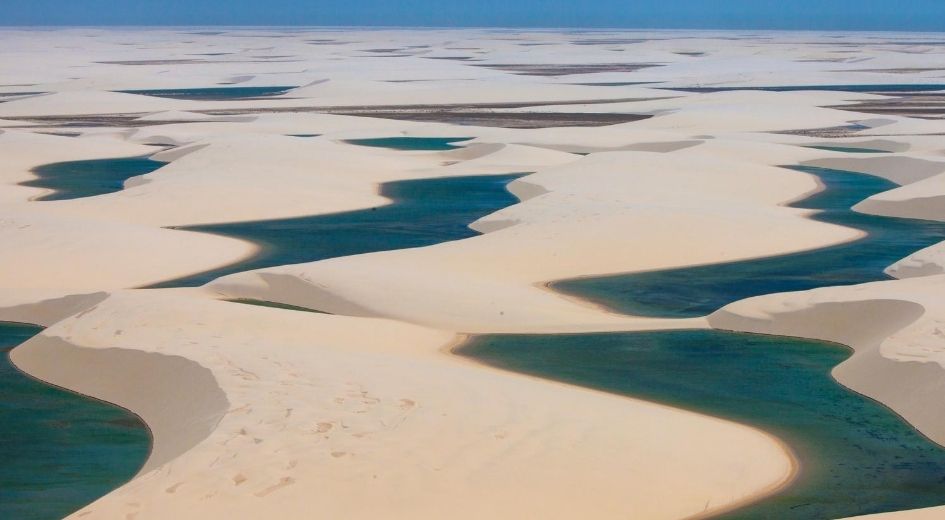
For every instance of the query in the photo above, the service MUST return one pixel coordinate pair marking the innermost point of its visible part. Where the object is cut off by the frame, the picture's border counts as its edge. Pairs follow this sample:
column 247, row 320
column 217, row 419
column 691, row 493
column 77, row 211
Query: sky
column 902, row 15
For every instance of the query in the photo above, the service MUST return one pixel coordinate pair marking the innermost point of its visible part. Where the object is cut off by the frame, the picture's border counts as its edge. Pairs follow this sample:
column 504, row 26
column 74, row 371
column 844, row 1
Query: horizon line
column 460, row 28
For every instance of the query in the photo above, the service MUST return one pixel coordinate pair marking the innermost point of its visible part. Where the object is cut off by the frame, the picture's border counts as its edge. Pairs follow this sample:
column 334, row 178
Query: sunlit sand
column 361, row 409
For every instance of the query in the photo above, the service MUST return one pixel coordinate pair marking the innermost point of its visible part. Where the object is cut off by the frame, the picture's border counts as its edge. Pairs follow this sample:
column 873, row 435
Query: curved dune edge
column 325, row 399
column 205, row 178
column 925, row 262
column 894, row 328
column 924, row 208
column 772, row 489
column 256, row 463
column 45, row 309
column 182, row 405
column 860, row 369
column 103, row 254
column 771, row 459
column 301, row 290
column 900, row 169
column 776, row 483
column 565, row 212
column 862, row 325
column 118, row 240
column 923, row 198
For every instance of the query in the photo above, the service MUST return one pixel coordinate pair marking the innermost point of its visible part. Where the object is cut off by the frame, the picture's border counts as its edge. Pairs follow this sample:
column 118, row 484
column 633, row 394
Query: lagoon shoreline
column 355, row 409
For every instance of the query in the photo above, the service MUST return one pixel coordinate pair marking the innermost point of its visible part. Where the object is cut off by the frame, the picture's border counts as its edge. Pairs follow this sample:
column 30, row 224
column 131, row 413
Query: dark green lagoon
column 213, row 93
column 76, row 179
column 857, row 456
column 61, row 451
column 848, row 149
column 697, row 291
column 428, row 144
column 58, row 450
column 424, row 212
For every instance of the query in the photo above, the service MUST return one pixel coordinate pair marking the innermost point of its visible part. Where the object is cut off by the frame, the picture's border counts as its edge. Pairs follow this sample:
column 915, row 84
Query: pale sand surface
column 623, row 202
column 924, row 262
column 236, row 177
column 896, row 331
column 23, row 151
column 266, row 412
column 313, row 422
column 69, row 254
column 896, row 328
column 923, row 199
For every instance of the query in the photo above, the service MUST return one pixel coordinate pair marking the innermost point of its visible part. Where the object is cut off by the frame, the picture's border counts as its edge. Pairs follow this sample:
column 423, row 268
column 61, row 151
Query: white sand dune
column 626, row 203
column 69, row 254
column 345, row 94
column 335, row 93
column 925, row 262
column 894, row 328
column 901, row 169
column 262, row 412
column 924, row 199
column 74, row 255
column 313, row 421
column 237, row 177
column 22, row 151
column 87, row 102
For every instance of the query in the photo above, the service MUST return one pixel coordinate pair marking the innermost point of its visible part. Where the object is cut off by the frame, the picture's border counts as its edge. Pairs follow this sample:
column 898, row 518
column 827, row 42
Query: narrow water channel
column 423, row 212
column 698, row 291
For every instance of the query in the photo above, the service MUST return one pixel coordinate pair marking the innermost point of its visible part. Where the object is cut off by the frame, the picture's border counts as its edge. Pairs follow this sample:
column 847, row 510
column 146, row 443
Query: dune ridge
column 363, row 413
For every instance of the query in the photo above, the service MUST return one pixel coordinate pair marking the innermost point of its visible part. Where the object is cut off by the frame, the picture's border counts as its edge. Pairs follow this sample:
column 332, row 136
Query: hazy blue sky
column 919, row 15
